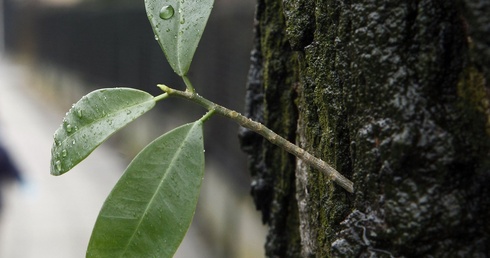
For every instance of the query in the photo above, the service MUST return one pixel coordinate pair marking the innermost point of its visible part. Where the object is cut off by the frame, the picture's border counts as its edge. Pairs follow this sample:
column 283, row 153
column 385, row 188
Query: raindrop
column 128, row 112
column 68, row 128
column 73, row 142
column 58, row 165
column 156, row 37
column 182, row 21
column 63, row 153
column 56, row 140
column 79, row 113
column 167, row 12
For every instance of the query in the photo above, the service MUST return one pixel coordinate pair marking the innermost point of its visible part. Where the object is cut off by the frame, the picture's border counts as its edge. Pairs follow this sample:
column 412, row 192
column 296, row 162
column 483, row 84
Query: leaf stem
column 270, row 135
column 208, row 115
column 188, row 84
column 161, row 97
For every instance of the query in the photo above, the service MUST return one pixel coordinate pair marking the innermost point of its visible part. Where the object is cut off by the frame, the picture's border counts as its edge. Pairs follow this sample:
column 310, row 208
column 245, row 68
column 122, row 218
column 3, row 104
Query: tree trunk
column 395, row 96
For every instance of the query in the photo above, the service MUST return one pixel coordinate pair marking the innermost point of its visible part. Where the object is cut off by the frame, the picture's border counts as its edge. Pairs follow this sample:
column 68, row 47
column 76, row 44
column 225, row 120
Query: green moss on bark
column 272, row 169
column 474, row 94
column 389, row 94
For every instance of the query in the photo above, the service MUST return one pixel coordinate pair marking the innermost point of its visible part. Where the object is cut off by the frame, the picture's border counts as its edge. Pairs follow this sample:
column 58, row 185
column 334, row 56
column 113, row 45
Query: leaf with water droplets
column 178, row 26
column 92, row 120
column 151, row 207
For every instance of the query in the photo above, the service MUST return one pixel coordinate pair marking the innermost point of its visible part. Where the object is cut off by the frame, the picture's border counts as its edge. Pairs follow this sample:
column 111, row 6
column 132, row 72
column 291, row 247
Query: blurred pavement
column 48, row 216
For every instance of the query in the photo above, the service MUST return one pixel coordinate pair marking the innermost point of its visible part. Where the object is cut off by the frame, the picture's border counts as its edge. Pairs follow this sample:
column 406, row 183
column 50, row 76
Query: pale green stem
column 188, row 84
column 271, row 136
column 207, row 116
column 161, row 97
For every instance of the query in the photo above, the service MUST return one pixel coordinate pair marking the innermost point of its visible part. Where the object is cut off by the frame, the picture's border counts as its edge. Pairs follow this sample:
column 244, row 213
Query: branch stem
column 268, row 134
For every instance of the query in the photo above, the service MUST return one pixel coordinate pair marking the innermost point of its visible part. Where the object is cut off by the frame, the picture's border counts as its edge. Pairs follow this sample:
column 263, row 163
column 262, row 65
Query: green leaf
column 92, row 120
column 178, row 26
column 151, row 207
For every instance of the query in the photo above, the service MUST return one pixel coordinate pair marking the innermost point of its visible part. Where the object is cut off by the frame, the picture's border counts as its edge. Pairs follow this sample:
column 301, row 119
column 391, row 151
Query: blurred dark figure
column 8, row 170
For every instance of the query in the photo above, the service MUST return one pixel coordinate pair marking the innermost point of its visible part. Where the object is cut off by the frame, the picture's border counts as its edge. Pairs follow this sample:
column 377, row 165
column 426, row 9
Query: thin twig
column 266, row 133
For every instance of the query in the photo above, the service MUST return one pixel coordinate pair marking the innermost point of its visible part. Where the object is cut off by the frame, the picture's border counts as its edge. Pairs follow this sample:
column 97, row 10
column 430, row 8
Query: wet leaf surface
column 151, row 207
column 92, row 120
column 178, row 26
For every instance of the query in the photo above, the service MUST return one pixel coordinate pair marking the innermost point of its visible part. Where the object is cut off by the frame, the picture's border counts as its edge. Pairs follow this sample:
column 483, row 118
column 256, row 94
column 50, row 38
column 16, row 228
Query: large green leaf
column 178, row 26
column 151, row 207
column 92, row 120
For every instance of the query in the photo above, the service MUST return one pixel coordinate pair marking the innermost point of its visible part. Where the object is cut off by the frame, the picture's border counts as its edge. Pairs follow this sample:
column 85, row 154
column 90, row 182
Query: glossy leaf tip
column 178, row 26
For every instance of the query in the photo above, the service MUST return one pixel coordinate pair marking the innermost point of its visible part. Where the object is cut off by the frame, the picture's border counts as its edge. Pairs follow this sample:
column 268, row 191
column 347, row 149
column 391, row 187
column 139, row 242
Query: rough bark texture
column 395, row 95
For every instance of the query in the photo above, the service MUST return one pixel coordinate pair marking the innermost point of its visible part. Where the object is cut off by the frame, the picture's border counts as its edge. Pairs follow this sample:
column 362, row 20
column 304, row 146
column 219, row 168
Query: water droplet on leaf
column 56, row 140
column 58, row 165
column 63, row 153
column 167, row 12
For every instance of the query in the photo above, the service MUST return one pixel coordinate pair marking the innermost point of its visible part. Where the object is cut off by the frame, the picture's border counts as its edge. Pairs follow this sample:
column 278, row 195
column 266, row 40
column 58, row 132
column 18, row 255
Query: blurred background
column 55, row 51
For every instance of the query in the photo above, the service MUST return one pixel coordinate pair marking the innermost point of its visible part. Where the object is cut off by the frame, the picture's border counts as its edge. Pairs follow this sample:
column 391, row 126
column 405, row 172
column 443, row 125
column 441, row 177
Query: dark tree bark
column 394, row 95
